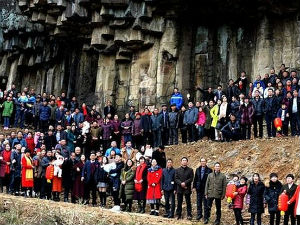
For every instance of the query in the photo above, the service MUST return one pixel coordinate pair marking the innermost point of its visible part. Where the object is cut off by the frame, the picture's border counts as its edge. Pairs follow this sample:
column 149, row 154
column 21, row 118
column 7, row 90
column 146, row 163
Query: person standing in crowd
column 146, row 122
column 184, row 176
column 126, row 126
column 156, row 127
column 168, row 189
column 5, row 167
column 231, row 131
column 200, row 123
column 116, row 135
column 7, row 112
column 165, row 125
column 246, row 111
column 127, row 185
column 45, row 113
column 256, row 194
column 289, row 188
column 173, row 125
column 257, row 103
column 114, row 175
column 27, row 173
column 242, row 82
column 140, row 185
column 238, row 201
column 87, row 176
column 15, row 172
column 271, row 195
column 190, row 118
column 294, row 109
column 200, row 179
column 182, row 126
column 78, row 185
column 154, row 187
column 215, row 191
column 46, row 186
column 101, row 179
column 106, row 128
column 176, row 99
column 68, row 175
column 137, row 134
column 270, row 113
column 160, row 156
column 109, row 109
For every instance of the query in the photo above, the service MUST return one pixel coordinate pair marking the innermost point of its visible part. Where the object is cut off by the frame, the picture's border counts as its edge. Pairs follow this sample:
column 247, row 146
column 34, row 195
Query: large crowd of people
column 63, row 148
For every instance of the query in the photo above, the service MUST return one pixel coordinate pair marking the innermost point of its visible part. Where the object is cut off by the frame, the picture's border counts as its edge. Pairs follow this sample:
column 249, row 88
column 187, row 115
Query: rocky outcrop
column 135, row 52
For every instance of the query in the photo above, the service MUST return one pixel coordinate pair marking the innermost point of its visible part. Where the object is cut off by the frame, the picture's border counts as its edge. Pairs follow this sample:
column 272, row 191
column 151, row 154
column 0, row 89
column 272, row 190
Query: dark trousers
column 218, row 207
column 238, row 216
column 246, row 131
column 258, row 120
column 285, row 127
column 37, row 184
column 44, row 125
column 188, row 204
column 191, row 132
column 147, row 136
column 117, row 138
column 183, row 132
column 89, row 187
column 165, row 136
column 36, row 122
column 116, row 198
column 5, row 181
column 270, row 125
column 228, row 135
column 169, row 196
column 295, row 122
column 202, row 203
column 19, row 118
column 252, row 219
column 46, row 189
column 272, row 218
column 298, row 220
column 15, row 182
column 156, row 138
column 290, row 214
column 137, row 141
column 67, row 189
column 173, row 136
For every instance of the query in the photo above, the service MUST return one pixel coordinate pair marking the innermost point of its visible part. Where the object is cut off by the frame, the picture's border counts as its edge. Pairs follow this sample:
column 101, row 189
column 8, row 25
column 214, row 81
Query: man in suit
column 87, row 177
column 294, row 110
column 109, row 109
column 199, row 186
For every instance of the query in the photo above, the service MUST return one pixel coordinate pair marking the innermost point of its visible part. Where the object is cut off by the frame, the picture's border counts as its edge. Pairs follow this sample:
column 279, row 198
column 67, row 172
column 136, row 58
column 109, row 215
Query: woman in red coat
column 296, row 197
column 27, row 173
column 5, row 168
column 238, row 201
column 30, row 143
column 154, row 189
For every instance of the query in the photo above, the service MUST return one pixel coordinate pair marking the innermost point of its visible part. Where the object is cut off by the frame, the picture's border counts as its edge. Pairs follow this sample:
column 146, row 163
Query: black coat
column 256, row 193
column 110, row 110
column 185, row 175
column 146, row 123
column 289, row 191
column 50, row 142
column 168, row 179
column 199, row 183
column 67, row 173
column 271, row 195
column 101, row 175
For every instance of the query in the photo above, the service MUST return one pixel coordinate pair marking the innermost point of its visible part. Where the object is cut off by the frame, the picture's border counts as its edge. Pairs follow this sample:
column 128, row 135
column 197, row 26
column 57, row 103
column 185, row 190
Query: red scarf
column 139, row 176
column 84, row 111
column 6, row 158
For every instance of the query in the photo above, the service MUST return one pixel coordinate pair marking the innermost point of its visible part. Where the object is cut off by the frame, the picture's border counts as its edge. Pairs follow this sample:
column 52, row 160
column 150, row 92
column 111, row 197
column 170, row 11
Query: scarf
column 139, row 176
column 84, row 111
column 29, row 172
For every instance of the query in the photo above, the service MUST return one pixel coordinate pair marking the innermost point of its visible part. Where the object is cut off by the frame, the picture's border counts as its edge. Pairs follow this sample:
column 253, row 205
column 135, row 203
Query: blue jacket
column 19, row 141
column 59, row 115
column 157, row 122
column 190, row 116
column 258, row 106
column 165, row 121
column 45, row 163
column 45, row 112
column 16, row 167
column 168, row 179
column 87, row 171
column 177, row 99
column 270, row 106
column 107, row 153
column 78, row 118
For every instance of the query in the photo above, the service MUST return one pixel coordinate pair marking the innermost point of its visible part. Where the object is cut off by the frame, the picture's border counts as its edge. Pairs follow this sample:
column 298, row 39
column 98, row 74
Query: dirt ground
column 280, row 155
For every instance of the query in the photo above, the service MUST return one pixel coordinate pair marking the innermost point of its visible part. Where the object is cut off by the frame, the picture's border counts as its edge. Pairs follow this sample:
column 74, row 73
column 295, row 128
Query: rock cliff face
column 135, row 52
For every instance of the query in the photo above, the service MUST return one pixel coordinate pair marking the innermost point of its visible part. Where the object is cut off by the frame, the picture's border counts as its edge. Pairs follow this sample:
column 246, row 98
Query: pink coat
column 201, row 118
column 238, row 201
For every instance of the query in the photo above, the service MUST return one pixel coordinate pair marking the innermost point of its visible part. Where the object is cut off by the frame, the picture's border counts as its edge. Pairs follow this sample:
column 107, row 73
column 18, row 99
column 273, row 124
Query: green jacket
column 216, row 185
column 128, row 188
column 7, row 108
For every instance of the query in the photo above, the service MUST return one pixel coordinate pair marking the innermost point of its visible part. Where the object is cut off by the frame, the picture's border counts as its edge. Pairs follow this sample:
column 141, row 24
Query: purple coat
column 2, row 167
column 106, row 131
column 246, row 113
column 127, row 123
column 137, row 127
column 116, row 125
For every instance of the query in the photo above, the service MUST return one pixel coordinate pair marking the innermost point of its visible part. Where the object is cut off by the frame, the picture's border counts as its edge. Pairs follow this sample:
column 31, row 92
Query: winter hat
column 273, row 175
column 291, row 176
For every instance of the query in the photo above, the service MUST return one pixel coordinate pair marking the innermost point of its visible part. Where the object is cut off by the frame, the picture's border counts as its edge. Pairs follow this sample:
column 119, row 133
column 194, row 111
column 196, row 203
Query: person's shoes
column 152, row 212
column 189, row 217
column 217, row 222
column 166, row 215
column 199, row 217
column 116, row 208
column 143, row 210
column 205, row 221
column 179, row 217
column 66, row 200
column 156, row 213
column 171, row 216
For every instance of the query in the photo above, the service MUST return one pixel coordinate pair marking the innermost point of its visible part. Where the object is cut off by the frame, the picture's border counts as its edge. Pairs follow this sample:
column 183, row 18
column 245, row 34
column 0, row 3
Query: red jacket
column 154, row 177
column 238, row 201
column 295, row 198
column 30, row 145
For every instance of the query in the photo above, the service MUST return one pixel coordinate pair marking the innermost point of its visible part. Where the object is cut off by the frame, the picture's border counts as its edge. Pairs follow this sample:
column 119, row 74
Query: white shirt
column 294, row 108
